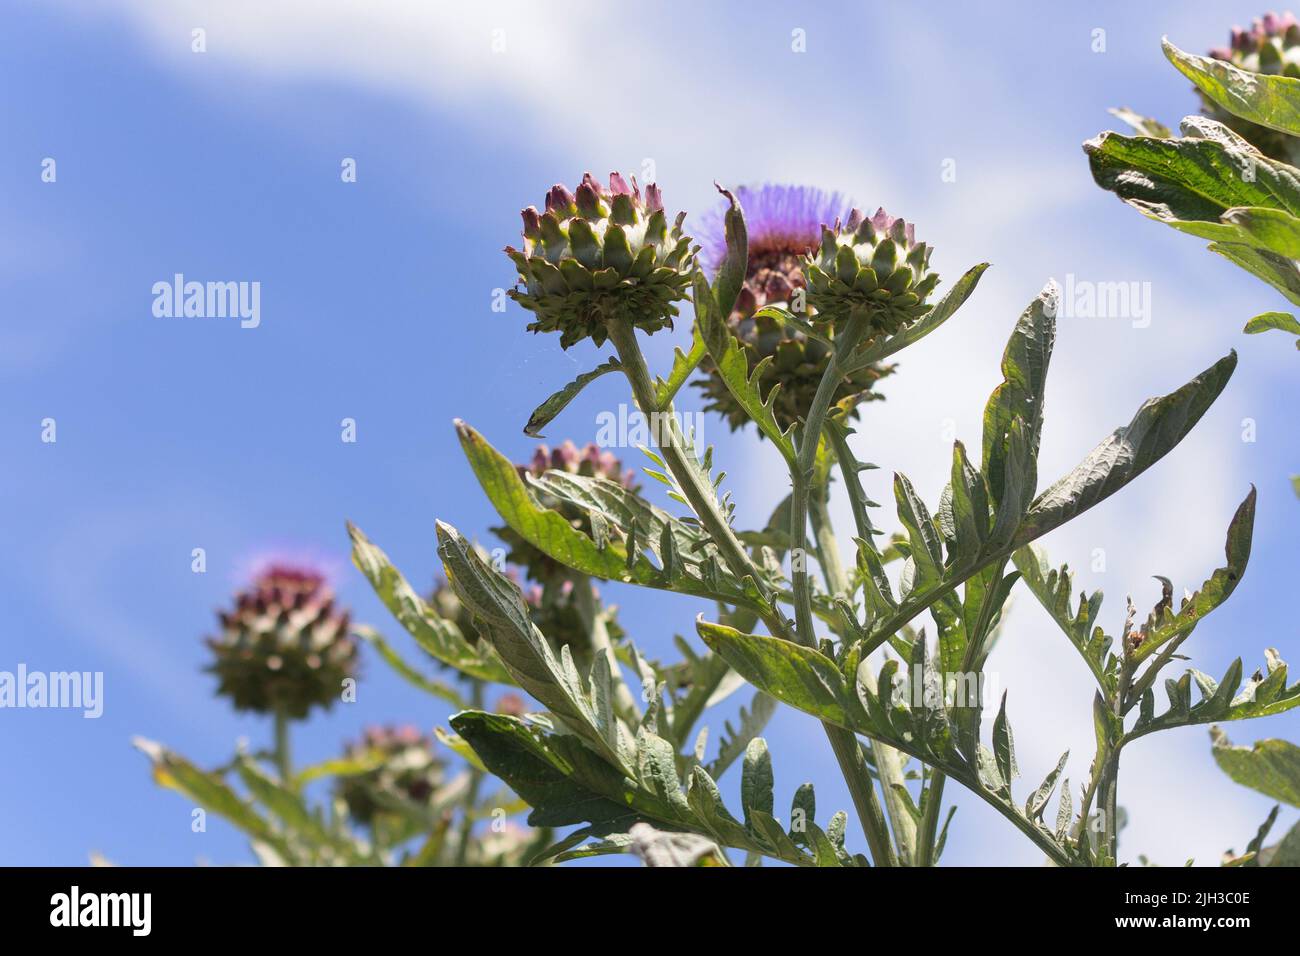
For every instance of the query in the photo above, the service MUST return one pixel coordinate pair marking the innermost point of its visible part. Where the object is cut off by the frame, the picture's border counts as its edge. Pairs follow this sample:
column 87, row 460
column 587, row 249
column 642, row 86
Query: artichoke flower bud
column 600, row 254
column 284, row 647
column 784, row 226
column 874, row 264
column 1271, row 46
column 591, row 461
column 405, row 768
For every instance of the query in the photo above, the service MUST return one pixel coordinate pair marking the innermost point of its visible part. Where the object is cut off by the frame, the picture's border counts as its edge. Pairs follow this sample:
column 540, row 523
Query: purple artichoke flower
column 785, row 225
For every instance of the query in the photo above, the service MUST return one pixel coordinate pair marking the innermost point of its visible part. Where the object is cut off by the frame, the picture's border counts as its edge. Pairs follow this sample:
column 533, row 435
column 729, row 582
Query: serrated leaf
column 1217, row 588
column 173, row 771
column 1010, row 472
column 554, row 535
column 812, row 682
column 1039, row 799
column 927, row 552
column 1004, row 748
column 497, row 603
column 791, row 673
column 684, row 365
column 441, row 639
column 1054, row 590
column 562, row 782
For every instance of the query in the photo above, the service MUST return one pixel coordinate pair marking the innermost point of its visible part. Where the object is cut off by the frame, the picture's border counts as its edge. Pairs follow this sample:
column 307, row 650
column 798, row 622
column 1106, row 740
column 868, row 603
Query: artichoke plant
column 784, row 224
column 601, row 254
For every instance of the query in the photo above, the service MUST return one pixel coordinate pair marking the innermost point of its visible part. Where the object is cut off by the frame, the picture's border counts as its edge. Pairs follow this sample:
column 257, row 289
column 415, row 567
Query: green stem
column 594, row 621
column 801, row 477
column 670, row 443
column 283, row 756
column 888, row 766
column 928, row 833
column 668, row 439
column 848, row 753
column 1109, row 786
column 466, row 833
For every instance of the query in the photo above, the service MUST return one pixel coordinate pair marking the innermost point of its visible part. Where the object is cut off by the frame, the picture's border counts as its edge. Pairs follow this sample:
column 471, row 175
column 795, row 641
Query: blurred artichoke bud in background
column 1270, row 46
column 601, row 254
column 405, row 768
column 284, row 647
column 591, row 462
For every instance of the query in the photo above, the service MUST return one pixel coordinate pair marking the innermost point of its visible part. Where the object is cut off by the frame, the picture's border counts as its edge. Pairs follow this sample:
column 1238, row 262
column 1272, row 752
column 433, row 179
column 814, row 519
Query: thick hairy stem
column 928, row 832
column 1109, row 785
column 598, row 633
column 671, row 445
column 466, row 833
column 801, row 478
column 889, row 766
column 283, row 756
column 857, row 775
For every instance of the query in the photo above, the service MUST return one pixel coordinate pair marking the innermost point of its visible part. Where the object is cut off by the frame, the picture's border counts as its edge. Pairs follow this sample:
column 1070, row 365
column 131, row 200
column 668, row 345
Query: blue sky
column 376, row 305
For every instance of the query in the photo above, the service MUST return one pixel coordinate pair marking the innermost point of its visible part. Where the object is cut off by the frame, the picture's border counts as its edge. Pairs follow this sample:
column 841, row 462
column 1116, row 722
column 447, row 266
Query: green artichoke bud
column 598, row 255
column 405, row 768
column 875, row 265
column 784, row 225
column 1271, row 46
column 284, row 647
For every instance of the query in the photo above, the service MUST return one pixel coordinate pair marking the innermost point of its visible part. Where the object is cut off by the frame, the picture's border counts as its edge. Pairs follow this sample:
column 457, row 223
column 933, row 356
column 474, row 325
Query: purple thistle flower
column 781, row 219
